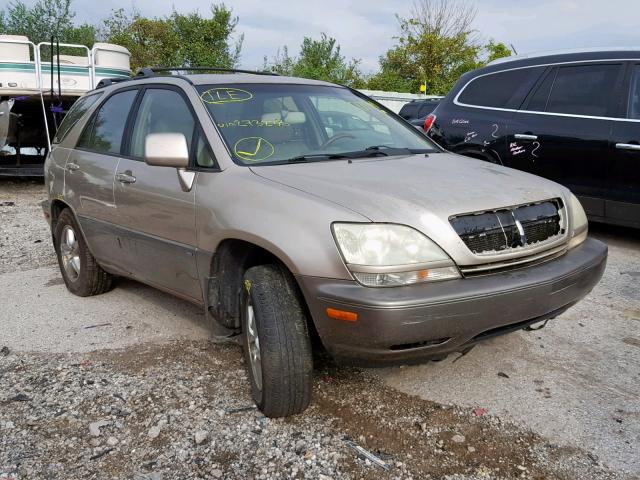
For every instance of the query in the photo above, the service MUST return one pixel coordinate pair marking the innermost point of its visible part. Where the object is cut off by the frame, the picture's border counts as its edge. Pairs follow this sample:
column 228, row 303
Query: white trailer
column 35, row 93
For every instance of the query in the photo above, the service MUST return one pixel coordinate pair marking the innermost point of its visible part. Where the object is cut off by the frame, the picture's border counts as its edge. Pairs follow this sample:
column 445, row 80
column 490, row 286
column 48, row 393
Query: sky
column 365, row 28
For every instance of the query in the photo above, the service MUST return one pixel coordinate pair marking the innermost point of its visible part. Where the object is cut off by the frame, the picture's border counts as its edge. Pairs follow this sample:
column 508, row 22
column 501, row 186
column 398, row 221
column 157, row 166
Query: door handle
column 125, row 178
column 525, row 136
column 627, row 146
column 72, row 167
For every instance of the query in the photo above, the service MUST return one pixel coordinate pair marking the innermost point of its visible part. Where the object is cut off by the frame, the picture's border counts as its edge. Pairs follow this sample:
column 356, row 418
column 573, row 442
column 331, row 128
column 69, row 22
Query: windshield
column 265, row 124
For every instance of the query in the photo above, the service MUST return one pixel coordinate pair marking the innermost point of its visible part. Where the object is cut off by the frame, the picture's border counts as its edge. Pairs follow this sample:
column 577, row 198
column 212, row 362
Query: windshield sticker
column 222, row 95
column 253, row 123
column 253, row 149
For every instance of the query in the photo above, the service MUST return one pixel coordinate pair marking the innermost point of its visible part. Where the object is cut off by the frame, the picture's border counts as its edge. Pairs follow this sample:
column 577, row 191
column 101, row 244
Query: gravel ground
column 127, row 385
column 576, row 381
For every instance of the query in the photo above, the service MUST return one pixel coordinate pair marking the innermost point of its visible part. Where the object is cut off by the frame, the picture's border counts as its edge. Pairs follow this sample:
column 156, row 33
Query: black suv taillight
column 428, row 122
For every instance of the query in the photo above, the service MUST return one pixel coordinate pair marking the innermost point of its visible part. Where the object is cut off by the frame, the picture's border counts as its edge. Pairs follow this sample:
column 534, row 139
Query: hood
column 419, row 191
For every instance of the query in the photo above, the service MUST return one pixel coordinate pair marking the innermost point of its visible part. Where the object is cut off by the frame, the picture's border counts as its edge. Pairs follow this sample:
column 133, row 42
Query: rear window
column 500, row 90
column 584, row 90
column 409, row 110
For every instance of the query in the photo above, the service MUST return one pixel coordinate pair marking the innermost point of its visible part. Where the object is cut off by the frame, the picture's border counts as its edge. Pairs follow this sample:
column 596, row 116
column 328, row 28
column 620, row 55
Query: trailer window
column 75, row 113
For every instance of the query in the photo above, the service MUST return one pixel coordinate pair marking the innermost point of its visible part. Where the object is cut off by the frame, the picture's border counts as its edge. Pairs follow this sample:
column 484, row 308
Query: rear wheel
column 276, row 341
column 81, row 273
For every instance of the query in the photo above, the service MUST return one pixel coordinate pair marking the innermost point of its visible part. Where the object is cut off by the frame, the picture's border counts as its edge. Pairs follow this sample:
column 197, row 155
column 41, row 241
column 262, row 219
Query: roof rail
column 150, row 71
column 105, row 82
column 567, row 51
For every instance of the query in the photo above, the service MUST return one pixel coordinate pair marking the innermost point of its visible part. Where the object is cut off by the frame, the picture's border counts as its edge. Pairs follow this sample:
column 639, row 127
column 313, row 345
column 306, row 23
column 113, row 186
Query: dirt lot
column 127, row 385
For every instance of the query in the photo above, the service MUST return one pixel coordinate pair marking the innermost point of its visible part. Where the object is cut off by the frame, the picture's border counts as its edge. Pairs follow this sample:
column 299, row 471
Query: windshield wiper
column 399, row 150
column 316, row 157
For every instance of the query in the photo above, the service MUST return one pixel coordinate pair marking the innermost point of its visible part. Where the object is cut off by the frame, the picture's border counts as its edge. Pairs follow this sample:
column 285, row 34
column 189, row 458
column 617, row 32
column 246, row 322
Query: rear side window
column 634, row 94
column 500, row 90
column 583, row 90
column 104, row 134
column 161, row 111
column 76, row 112
column 538, row 101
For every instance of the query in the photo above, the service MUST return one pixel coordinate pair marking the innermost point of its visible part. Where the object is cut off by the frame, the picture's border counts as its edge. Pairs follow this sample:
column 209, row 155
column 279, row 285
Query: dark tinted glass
column 409, row 110
column 583, row 90
column 501, row 90
column 426, row 109
column 538, row 101
column 106, row 130
column 634, row 94
column 161, row 111
column 76, row 112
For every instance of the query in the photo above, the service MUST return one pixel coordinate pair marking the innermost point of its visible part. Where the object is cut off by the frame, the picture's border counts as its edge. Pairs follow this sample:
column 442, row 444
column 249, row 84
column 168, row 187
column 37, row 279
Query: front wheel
column 276, row 341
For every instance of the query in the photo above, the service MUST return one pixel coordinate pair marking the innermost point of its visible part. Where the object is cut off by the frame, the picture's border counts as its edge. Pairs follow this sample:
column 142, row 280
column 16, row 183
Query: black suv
column 416, row 111
column 570, row 117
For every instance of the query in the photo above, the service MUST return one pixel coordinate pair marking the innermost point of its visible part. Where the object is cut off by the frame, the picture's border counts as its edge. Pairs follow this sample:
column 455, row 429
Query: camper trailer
column 38, row 85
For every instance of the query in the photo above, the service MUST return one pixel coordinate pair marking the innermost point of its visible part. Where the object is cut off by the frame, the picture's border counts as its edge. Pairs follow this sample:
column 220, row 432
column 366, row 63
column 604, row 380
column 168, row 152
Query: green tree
column 320, row 60
column 46, row 18
column 496, row 50
column 185, row 40
column 435, row 46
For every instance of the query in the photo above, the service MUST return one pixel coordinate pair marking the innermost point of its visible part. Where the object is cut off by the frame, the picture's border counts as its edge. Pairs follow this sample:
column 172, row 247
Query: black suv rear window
column 500, row 90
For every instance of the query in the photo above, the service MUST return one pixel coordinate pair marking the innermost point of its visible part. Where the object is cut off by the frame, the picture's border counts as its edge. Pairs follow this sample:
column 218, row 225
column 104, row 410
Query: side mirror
column 166, row 150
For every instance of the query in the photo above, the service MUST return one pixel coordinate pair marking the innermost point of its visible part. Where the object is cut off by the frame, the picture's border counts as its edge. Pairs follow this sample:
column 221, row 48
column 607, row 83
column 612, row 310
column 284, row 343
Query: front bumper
column 413, row 323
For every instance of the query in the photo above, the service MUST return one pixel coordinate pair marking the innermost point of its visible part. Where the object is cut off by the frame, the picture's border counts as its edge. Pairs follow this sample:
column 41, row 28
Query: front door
column 623, row 176
column 156, row 216
column 564, row 129
column 89, row 173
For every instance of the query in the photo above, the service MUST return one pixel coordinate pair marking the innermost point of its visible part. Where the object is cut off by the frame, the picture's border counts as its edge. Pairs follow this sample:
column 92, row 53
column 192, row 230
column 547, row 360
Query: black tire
column 90, row 279
column 286, row 373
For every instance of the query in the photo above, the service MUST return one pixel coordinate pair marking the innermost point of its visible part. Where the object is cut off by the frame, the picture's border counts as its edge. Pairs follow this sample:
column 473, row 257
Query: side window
column 204, row 157
column 583, row 90
column 161, row 111
column 500, row 90
column 538, row 101
column 78, row 109
column 634, row 94
column 104, row 134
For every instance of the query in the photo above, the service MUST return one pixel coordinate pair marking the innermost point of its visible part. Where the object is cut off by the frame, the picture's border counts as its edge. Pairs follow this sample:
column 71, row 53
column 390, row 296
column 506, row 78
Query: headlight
column 579, row 222
column 385, row 255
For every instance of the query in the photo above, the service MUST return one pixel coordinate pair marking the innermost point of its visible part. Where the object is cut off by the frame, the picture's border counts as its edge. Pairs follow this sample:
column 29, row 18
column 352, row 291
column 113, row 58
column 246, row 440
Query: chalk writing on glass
column 495, row 130
column 516, row 149
column 253, row 149
column 252, row 123
column 459, row 121
column 221, row 95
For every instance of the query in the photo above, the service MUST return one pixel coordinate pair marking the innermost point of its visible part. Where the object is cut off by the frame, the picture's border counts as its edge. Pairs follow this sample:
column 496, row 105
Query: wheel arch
column 231, row 259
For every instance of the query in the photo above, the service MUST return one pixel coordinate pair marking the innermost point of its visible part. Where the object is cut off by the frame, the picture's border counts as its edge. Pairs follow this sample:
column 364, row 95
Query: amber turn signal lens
column 342, row 315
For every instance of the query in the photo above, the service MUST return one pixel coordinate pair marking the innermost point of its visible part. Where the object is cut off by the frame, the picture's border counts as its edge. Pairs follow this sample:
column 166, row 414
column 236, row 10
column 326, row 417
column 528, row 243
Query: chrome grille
column 505, row 229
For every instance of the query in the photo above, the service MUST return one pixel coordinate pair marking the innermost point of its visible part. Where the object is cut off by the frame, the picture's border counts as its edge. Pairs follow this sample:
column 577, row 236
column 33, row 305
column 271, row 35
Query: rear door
column 623, row 176
column 90, row 170
column 156, row 216
column 476, row 125
column 563, row 131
